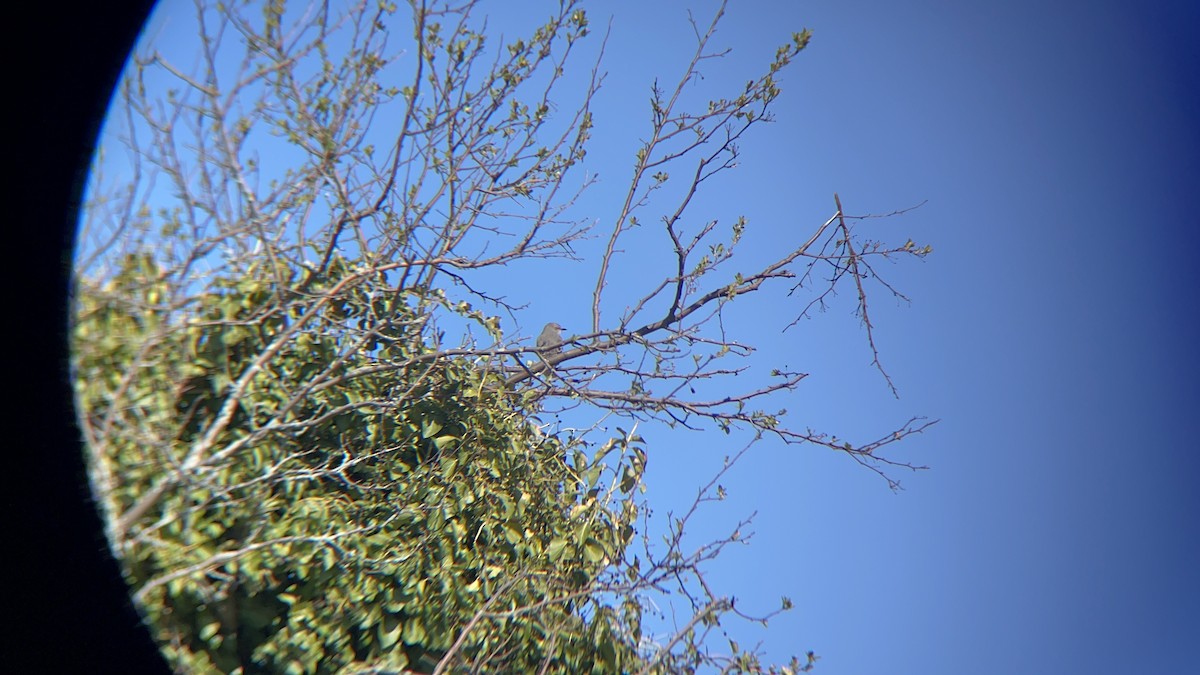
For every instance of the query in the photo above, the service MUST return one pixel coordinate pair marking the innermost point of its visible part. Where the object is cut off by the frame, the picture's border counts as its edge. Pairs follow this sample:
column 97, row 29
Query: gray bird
column 551, row 338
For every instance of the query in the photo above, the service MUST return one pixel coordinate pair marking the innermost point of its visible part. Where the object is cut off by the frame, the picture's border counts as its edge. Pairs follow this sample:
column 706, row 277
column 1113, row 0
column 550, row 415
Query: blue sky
column 1052, row 331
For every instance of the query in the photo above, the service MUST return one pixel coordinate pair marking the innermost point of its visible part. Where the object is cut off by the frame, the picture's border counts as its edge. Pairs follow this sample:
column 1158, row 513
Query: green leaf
column 389, row 631
column 414, row 631
column 556, row 549
column 593, row 551
column 210, row 630
column 429, row 428
column 629, row 479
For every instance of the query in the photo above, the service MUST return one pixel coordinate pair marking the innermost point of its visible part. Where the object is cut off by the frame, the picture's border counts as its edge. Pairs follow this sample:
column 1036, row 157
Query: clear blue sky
column 1053, row 331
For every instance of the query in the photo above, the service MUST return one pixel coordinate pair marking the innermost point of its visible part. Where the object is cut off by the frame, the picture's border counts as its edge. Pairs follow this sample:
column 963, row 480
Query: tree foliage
column 335, row 529
column 300, row 473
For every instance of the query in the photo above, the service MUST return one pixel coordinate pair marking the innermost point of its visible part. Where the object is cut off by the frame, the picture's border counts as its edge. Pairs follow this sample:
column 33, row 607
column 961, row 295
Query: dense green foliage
column 386, row 512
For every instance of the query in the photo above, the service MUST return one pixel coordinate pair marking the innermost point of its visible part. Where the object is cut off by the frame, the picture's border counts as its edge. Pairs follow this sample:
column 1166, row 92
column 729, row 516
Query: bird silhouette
column 551, row 338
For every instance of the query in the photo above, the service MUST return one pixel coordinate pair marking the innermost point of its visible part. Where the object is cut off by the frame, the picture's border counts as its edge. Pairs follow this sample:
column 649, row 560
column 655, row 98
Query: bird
column 551, row 338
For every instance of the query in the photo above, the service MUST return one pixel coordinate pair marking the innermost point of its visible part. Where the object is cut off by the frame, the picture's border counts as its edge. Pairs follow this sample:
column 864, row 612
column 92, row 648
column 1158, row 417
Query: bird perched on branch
column 551, row 338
